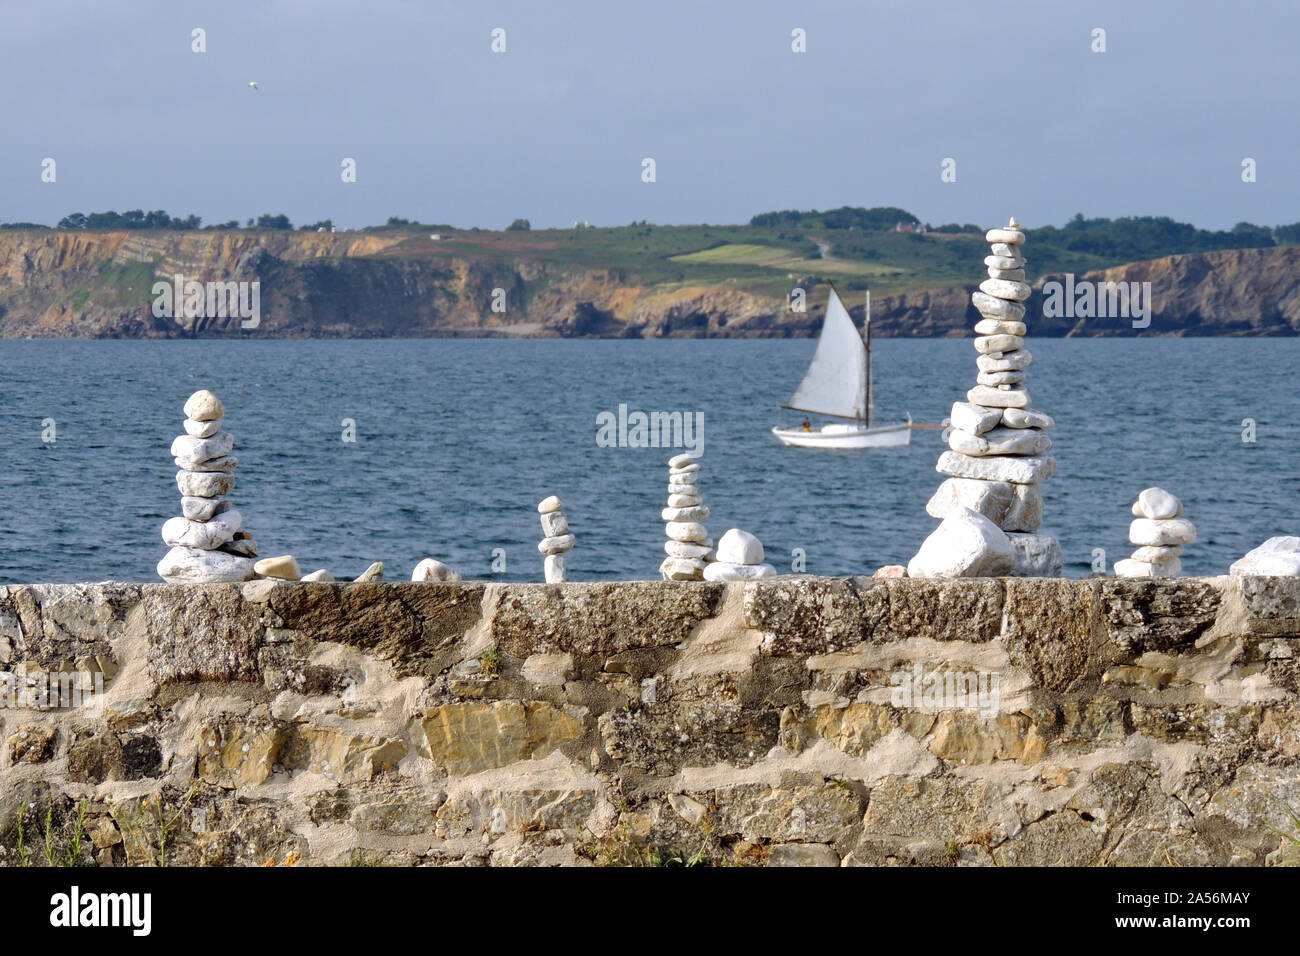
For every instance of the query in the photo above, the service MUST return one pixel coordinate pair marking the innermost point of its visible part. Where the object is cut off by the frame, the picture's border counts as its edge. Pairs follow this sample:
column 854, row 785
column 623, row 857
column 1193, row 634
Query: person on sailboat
column 807, row 425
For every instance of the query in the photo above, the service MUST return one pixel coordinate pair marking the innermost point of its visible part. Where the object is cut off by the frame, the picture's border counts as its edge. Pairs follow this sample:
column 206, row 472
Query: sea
column 356, row 451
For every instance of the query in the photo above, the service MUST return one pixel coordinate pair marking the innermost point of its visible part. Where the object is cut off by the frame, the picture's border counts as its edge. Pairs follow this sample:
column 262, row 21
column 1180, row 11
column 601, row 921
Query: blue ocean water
column 457, row 441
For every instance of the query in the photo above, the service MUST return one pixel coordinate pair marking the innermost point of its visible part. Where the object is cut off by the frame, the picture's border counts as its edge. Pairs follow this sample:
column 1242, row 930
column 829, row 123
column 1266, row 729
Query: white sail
column 836, row 380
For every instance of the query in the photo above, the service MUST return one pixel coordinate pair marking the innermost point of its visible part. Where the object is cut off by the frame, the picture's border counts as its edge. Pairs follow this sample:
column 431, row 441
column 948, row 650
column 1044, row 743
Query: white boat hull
column 847, row 436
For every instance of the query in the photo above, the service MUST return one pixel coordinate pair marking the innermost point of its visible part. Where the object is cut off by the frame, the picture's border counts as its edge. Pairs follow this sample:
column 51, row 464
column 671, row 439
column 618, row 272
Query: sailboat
column 838, row 385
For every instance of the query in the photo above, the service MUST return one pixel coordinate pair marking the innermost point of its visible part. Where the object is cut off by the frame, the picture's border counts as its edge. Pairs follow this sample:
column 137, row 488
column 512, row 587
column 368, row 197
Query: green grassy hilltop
column 884, row 248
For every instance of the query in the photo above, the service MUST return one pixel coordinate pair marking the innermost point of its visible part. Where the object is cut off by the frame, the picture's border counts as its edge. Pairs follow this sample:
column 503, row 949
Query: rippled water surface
column 458, row 440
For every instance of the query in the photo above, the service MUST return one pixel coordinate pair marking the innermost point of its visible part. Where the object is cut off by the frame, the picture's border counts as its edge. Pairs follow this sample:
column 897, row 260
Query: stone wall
column 788, row 721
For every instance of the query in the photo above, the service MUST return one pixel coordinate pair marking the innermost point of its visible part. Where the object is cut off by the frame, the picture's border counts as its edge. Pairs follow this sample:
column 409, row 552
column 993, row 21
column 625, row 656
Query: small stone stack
column 1160, row 535
column 998, row 444
column 689, row 547
column 207, row 543
column 558, row 540
column 740, row 558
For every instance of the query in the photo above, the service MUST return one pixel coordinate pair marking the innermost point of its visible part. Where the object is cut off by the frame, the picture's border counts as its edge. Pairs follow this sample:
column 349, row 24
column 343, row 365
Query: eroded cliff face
column 789, row 721
column 1234, row 292
column 74, row 284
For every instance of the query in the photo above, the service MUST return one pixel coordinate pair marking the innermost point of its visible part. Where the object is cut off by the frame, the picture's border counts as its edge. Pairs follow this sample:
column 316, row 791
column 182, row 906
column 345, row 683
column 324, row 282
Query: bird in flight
column 254, row 85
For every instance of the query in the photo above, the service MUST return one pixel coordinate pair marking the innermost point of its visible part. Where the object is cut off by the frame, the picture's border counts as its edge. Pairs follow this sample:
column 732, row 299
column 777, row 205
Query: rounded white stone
column 204, row 484
column 697, row 513
column 975, row 419
column 683, row 501
column 554, row 524
column 1131, row 568
column 1004, row 262
column 203, row 406
column 986, row 344
column 547, row 505
column 556, row 545
column 204, row 535
column 203, row 449
column 195, row 566
column 1026, row 418
column 1000, row 327
column 995, row 397
column 681, row 569
column 1007, row 275
column 555, row 569
column 1005, row 250
column 691, row 531
column 1157, row 554
column 1005, row 289
column 1012, row 237
column 283, row 566
column 992, row 307
column 1007, row 361
column 201, row 429
column 681, row 461
column 1157, row 503
column 227, row 464
column 686, row 549
column 685, row 470
column 1011, row 507
column 740, row 547
column 431, row 569
column 201, row 509
column 965, row 545
column 727, row 571
column 1278, row 556
column 1000, row 441
column 999, row 378
column 319, row 576
column 1157, row 531
column 1029, row 470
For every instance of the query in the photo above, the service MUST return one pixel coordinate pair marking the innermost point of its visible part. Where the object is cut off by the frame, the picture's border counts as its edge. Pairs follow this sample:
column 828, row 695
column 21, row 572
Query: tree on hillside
column 878, row 218
column 267, row 221
column 519, row 225
column 131, row 219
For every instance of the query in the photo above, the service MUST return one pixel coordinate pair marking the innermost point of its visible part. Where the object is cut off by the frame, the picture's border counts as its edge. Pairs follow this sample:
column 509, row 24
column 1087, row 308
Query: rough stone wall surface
column 792, row 721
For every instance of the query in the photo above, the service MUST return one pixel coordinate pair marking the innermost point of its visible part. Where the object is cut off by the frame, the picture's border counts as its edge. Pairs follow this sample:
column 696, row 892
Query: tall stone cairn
column 689, row 547
column 557, row 541
column 208, row 543
column 997, row 443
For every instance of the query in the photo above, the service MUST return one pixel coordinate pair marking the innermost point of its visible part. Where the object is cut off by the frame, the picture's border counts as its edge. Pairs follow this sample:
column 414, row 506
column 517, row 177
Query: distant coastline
column 641, row 281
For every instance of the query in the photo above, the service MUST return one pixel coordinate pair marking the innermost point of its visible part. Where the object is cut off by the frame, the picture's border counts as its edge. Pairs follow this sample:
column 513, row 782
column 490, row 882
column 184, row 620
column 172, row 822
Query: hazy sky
column 555, row 129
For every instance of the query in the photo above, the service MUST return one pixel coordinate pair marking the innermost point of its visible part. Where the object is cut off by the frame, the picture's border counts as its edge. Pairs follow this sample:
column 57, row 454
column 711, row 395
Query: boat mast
column 866, row 329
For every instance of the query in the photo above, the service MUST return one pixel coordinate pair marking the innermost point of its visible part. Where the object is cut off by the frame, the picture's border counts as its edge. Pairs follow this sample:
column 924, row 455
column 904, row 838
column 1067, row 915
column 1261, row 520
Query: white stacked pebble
column 207, row 542
column 558, row 540
column 689, row 547
column 739, row 558
column 1160, row 534
column 997, row 444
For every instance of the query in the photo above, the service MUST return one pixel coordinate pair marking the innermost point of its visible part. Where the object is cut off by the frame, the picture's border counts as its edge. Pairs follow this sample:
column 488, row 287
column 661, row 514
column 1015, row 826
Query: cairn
column 998, row 444
column 689, row 547
column 740, row 558
column 207, row 542
column 558, row 540
column 1160, row 534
